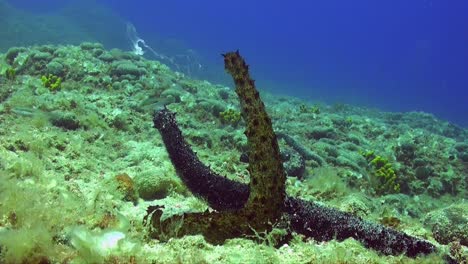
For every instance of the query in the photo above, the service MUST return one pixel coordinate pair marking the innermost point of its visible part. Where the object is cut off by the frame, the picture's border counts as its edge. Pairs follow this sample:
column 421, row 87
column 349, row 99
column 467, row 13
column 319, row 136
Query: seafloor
column 80, row 162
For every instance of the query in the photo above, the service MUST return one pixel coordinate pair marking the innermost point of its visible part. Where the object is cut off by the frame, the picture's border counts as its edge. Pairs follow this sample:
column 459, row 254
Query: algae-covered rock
column 449, row 224
column 42, row 56
column 107, row 57
column 121, row 68
column 55, row 67
column 321, row 132
column 293, row 163
column 67, row 121
column 126, row 186
column 157, row 184
column 91, row 46
column 174, row 93
column 12, row 53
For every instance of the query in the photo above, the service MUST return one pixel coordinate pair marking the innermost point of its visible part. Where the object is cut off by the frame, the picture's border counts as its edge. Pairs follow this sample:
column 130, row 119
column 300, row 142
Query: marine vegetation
column 383, row 176
column 242, row 210
column 52, row 82
column 230, row 116
column 303, row 108
column 10, row 74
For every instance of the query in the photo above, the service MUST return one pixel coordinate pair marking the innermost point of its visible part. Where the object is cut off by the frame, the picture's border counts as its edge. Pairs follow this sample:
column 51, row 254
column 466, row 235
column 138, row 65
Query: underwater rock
column 357, row 205
column 41, row 56
column 174, row 92
column 121, row 68
column 91, row 46
column 122, row 55
column 449, row 224
column 326, row 150
column 420, row 162
column 435, row 187
column 223, row 94
column 462, row 151
column 349, row 146
column 346, row 162
column 12, row 53
column 355, row 139
column 107, row 57
column 126, row 185
column 463, row 157
column 293, row 163
column 423, row 173
column 67, row 121
column 453, row 131
column 461, row 147
column 54, row 67
column 154, row 185
column 321, row 132
column 215, row 107
column 304, row 152
column 47, row 48
column 406, row 152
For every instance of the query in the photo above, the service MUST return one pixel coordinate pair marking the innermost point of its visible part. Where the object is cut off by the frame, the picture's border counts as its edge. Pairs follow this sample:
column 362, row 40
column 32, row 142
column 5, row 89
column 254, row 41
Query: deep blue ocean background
column 393, row 55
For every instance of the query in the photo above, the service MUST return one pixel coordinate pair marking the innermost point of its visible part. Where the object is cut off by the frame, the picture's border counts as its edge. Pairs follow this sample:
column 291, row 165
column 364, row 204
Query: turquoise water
column 395, row 56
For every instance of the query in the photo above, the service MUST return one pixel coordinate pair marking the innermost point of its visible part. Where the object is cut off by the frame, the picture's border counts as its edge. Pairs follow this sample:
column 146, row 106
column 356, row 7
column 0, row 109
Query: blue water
column 395, row 55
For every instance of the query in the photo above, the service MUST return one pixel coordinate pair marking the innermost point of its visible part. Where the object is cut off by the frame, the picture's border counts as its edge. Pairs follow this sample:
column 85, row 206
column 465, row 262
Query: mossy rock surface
column 450, row 224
